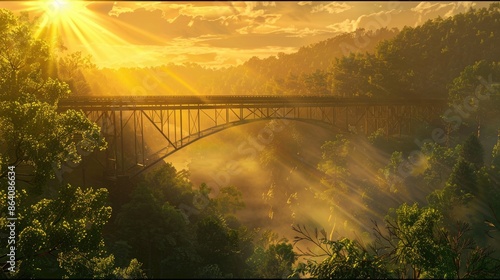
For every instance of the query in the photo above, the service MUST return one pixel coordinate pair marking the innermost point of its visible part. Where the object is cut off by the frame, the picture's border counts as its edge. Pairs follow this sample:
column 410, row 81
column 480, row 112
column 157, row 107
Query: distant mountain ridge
column 321, row 55
column 416, row 61
column 280, row 74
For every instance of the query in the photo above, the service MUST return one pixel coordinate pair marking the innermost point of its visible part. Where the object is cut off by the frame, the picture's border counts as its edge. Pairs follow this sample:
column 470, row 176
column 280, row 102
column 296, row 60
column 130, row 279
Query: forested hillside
column 303, row 72
column 424, row 60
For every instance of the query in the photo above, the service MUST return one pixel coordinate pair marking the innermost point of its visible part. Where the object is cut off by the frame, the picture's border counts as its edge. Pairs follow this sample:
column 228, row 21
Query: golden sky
column 138, row 34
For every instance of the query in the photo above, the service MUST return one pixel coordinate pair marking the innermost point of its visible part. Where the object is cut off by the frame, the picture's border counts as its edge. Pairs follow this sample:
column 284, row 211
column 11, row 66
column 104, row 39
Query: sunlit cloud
column 292, row 31
column 434, row 9
column 303, row 3
column 206, row 12
column 117, row 10
column 129, row 7
column 344, row 26
column 331, row 8
column 390, row 18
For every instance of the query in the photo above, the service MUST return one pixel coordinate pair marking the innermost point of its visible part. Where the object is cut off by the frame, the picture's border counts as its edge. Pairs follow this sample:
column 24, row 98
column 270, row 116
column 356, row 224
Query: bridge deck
column 95, row 103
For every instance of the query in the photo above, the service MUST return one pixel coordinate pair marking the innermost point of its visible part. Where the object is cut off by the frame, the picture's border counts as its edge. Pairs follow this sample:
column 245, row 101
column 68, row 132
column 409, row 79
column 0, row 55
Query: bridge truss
column 127, row 123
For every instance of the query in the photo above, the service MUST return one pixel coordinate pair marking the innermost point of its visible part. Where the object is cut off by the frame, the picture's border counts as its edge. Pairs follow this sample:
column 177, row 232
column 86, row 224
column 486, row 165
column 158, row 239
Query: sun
column 59, row 6
column 55, row 10
column 74, row 25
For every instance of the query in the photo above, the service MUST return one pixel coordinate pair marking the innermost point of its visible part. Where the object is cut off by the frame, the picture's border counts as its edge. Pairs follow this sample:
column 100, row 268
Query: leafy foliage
column 344, row 258
column 463, row 182
column 473, row 152
column 275, row 261
column 70, row 69
column 208, row 242
column 62, row 236
column 412, row 240
column 334, row 155
column 134, row 226
column 39, row 137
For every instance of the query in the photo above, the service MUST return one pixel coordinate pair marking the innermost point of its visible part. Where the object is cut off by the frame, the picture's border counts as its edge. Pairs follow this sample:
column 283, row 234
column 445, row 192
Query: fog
column 278, row 176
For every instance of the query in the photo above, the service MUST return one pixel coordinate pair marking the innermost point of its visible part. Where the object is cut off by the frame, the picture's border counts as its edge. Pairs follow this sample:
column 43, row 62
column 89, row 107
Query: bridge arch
column 183, row 120
column 265, row 132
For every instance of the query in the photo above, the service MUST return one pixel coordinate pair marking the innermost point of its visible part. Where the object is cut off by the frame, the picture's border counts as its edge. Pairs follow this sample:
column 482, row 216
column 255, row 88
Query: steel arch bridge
column 182, row 120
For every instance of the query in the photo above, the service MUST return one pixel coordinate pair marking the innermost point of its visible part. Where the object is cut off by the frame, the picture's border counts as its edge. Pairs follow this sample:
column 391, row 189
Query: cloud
column 100, row 7
column 373, row 21
column 459, row 7
column 344, row 26
column 381, row 19
column 201, row 57
column 200, row 18
column 153, row 27
column 302, row 3
column 205, row 12
column 427, row 10
column 120, row 7
column 292, row 31
column 118, row 10
column 331, row 8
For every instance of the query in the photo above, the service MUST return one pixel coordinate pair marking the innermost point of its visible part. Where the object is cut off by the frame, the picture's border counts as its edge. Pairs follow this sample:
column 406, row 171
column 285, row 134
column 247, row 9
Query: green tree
column 317, row 82
column 495, row 165
column 71, row 69
column 440, row 161
column 334, row 164
column 218, row 244
column 272, row 262
column 271, row 257
column 463, row 179
column 62, row 236
column 34, row 134
column 468, row 260
column 421, row 61
column 473, row 151
column 474, row 94
column 152, row 227
column 228, row 201
column 342, row 259
column 168, row 184
column 133, row 271
column 24, row 62
column 459, row 190
column 412, row 241
column 391, row 175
